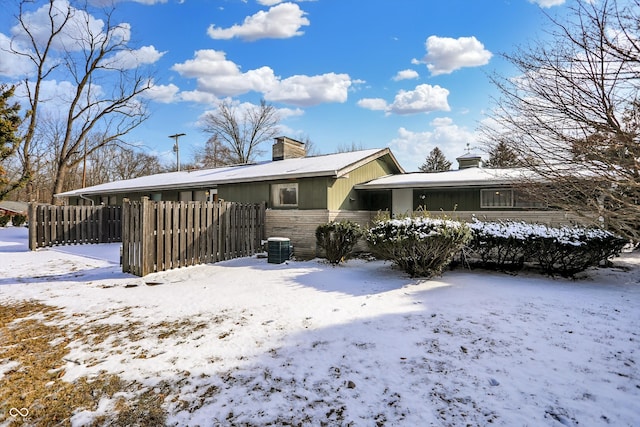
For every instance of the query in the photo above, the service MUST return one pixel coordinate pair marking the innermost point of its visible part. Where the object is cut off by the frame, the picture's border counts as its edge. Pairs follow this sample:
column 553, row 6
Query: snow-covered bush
column 4, row 220
column 507, row 245
column 499, row 245
column 421, row 246
column 338, row 239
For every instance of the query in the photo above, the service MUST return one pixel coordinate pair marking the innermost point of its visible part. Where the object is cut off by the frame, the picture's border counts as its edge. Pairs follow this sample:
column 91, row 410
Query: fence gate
column 158, row 236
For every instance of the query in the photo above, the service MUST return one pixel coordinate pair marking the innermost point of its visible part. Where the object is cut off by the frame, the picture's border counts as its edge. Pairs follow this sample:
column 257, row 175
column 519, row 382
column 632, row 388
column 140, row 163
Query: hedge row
column 424, row 246
column 509, row 245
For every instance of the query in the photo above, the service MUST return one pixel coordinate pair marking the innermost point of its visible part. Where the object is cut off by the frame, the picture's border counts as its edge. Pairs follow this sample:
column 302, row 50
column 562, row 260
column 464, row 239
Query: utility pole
column 176, row 148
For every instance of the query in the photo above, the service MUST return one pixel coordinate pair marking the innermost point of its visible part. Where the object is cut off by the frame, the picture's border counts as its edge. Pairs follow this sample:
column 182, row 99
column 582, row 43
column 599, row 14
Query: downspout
column 86, row 198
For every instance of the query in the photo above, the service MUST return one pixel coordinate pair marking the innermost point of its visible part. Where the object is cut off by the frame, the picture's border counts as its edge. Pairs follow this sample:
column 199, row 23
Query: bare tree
column 243, row 128
column 113, row 162
column 435, row 162
column 347, row 148
column 572, row 114
column 213, row 155
column 104, row 103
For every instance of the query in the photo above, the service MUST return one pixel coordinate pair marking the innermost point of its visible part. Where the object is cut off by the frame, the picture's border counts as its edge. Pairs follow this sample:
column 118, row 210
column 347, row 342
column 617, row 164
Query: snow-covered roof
column 332, row 165
column 454, row 178
column 16, row 207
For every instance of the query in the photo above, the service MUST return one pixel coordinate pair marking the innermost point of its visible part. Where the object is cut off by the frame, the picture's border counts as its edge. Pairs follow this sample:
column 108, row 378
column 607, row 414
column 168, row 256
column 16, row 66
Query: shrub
column 18, row 220
column 4, row 220
column 570, row 250
column 500, row 245
column 338, row 239
column 421, row 246
column 556, row 250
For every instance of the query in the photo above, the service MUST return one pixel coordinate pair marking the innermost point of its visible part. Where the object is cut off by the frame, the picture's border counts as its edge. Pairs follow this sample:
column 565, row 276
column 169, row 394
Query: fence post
column 145, row 220
column 33, row 239
column 125, row 219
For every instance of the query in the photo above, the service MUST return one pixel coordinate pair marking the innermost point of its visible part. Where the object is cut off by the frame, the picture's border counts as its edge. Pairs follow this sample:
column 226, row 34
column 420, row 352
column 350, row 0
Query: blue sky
column 405, row 74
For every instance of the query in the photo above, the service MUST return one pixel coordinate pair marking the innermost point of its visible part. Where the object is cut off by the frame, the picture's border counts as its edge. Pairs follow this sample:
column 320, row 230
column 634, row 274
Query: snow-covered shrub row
column 421, row 246
column 507, row 245
column 338, row 239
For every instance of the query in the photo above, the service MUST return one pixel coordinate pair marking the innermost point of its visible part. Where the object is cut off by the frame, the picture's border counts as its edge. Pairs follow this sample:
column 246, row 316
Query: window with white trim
column 496, row 198
column 284, row 195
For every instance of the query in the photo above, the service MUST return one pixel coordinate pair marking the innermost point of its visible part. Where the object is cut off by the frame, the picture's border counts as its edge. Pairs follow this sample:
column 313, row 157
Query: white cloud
column 269, row 2
column 13, row 65
column 220, row 77
column 280, row 22
column 412, row 148
column 162, row 93
column 445, row 55
column 311, row 90
column 285, row 113
column 74, row 34
column 129, row 59
column 406, row 75
column 375, row 104
column 199, row 96
column 423, row 99
column 547, row 3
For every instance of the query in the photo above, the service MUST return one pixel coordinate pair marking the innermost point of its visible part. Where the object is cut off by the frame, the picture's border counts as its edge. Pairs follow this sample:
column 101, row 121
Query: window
column 284, row 195
column 523, row 200
column 496, row 198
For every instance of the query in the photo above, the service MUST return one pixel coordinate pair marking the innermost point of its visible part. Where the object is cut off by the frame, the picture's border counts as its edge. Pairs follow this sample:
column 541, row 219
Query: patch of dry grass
column 33, row 349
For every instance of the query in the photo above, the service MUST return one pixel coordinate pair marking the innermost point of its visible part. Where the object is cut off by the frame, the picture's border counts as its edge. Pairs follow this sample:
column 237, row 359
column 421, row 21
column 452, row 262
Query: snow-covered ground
column 360, row 344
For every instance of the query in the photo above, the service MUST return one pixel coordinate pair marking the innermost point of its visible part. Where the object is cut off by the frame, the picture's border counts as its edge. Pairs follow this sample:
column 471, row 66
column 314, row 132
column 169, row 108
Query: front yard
column 245, row 342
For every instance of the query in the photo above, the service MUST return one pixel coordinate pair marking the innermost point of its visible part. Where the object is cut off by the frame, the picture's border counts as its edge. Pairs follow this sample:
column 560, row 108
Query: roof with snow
column 455, row 178
column 330, row 165
column 14, row 207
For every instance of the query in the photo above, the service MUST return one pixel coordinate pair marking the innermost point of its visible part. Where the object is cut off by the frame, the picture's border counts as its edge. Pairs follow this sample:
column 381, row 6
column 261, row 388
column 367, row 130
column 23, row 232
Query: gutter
column 82, row 196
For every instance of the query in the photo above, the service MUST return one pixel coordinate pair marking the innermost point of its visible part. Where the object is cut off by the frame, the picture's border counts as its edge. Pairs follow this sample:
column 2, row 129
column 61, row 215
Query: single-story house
column 303, row 192
column 300, row 192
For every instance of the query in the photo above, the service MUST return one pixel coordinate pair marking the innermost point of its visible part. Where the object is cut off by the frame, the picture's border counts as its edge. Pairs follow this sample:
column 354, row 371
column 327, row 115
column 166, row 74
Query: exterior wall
column 342, row 196
column 312, row 192
column 300, row 226
column 251, row 192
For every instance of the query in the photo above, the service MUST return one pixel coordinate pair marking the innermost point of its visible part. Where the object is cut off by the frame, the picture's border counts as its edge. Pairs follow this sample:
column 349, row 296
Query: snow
column 305, row 342
column 452, row 178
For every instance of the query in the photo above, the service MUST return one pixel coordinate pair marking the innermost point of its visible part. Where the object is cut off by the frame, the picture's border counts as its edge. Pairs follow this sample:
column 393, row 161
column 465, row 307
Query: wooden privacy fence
column 158, row 236
column 65, row 225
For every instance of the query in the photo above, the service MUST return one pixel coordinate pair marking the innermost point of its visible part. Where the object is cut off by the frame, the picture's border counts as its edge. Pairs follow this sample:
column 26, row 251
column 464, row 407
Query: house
column 468, row 192
column 300, row 192
column 11, row 208
column 303, row 192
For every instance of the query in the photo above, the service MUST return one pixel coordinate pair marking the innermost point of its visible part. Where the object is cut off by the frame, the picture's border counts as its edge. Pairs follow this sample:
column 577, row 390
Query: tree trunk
column 58, row 184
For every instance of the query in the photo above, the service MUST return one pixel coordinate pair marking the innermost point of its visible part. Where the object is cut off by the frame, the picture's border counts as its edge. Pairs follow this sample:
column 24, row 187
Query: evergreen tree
column 9, row 141
column 501, row 155
column 435, row 162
